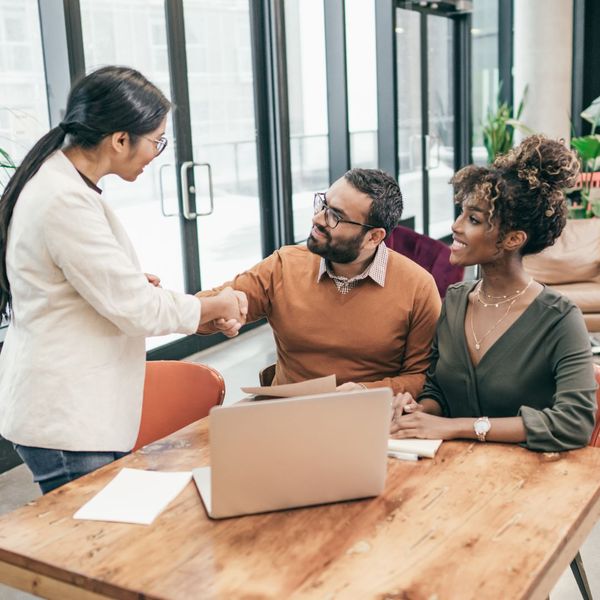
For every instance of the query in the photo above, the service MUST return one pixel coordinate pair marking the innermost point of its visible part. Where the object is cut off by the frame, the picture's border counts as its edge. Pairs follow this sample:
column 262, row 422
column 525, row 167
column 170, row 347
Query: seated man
column 345, row 303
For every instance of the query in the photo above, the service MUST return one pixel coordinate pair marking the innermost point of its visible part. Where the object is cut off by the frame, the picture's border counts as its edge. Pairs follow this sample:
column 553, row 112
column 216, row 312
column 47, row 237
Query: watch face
column 482, row 426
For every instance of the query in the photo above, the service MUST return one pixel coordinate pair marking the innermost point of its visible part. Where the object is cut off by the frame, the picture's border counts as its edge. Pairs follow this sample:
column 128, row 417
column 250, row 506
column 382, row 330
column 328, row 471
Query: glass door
column 410, row 121
column 218, row 211
column 426, row 118
column 24, row 106
column 439, row 140
column 307, row 94
column 134, row 34
column 220, row 85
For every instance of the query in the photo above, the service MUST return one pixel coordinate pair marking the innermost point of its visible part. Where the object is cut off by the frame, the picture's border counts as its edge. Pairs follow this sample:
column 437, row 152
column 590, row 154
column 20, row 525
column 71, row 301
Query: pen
column 403, row 455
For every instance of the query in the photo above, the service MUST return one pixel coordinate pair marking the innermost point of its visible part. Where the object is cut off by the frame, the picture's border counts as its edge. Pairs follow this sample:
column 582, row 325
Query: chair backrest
column 432, row 255
column 593, row 178
column 595, row 439
column 266, row 375
column 176, row 394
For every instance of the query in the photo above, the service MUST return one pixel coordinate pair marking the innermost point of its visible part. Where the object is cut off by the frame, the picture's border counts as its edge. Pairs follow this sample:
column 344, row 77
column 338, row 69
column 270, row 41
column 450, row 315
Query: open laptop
column 292, row 452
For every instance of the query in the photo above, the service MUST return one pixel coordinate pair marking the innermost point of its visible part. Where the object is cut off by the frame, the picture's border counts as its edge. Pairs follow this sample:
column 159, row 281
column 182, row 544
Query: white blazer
column 72, row 365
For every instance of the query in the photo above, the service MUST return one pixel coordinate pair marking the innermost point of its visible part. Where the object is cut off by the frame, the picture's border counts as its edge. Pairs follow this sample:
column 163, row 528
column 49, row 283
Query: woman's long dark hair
column 108, row 100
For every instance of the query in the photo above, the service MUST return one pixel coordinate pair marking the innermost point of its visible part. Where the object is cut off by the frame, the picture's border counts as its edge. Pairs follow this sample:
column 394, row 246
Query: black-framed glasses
column 331, row 216
column 160, row 143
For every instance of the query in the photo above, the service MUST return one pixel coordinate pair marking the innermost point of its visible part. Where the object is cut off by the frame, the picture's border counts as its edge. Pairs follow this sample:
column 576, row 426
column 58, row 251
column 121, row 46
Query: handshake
column 227, row 311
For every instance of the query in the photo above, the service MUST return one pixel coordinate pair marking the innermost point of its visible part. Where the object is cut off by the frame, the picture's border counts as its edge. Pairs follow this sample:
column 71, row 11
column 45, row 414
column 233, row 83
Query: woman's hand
column 234, row 304
column 153, row 279
column 423, row 425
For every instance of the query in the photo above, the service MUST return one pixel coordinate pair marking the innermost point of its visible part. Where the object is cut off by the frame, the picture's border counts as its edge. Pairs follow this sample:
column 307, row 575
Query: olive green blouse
column 540, row 368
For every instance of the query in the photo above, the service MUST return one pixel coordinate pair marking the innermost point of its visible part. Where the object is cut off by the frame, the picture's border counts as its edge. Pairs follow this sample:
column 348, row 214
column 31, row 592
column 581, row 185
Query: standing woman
column 72, row 366
column 511, row 360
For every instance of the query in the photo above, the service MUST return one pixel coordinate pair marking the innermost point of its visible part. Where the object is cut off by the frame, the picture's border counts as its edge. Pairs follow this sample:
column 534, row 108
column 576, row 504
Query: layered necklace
column 496, row 301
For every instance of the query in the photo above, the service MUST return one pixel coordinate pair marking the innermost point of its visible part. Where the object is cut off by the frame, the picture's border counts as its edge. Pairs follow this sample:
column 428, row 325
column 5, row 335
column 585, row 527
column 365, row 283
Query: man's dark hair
column 383, row 189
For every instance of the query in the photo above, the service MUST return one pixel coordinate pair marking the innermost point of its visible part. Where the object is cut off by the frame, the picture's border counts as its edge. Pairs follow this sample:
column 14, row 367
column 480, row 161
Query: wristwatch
column 481, row 427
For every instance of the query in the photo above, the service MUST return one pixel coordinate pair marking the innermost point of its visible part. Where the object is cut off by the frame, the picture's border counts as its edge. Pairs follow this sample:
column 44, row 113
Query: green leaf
column 592, row 112
column 7, row 158
column 587, row 146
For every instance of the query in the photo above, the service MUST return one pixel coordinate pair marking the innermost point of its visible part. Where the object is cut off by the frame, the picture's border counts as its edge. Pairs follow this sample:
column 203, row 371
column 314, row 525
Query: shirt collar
column 376, row 270
column 89, row 182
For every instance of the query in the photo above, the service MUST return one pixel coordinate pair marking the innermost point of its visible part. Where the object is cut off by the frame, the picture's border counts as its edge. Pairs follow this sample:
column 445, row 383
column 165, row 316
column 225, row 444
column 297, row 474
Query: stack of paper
column 425, row 448
column 321, row 385
column 134, row 496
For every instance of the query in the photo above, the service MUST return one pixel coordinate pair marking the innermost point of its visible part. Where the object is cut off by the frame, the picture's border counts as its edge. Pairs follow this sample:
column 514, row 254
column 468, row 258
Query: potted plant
column 588, row 148
column 500, row 124
column 7, row 167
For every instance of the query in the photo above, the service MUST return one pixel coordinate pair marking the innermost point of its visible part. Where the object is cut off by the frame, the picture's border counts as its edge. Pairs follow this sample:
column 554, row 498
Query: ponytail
column 48, row 144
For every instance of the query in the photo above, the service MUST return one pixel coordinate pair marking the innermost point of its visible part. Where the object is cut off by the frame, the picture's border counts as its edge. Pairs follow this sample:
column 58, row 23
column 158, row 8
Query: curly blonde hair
column 524, row 190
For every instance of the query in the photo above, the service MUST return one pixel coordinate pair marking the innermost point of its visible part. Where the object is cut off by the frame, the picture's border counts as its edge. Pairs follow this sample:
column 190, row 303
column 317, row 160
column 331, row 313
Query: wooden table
column 478, row 521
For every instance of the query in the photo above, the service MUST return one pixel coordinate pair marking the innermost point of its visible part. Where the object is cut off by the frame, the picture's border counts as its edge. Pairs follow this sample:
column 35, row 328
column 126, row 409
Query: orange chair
column 595, row 439
column 175, row 395
column 577, row 563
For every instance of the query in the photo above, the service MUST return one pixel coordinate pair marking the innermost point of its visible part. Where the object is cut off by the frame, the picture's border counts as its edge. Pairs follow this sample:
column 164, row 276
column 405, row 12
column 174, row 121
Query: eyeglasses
column 160, row 143
column 331, row 217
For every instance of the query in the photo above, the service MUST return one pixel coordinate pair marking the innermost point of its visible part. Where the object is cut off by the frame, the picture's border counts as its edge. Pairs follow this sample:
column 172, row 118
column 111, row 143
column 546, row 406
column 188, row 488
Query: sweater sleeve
column 417, row 348
column 81, row 243
column 256, row 283
column 569, row 422
column 431, row 388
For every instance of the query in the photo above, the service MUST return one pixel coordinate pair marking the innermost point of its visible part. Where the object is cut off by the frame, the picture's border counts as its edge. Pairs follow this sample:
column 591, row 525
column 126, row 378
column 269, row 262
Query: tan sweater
column 378, row 336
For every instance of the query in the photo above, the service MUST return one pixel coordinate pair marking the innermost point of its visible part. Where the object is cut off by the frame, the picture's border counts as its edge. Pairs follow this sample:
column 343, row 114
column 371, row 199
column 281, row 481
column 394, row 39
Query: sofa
column 572, row 267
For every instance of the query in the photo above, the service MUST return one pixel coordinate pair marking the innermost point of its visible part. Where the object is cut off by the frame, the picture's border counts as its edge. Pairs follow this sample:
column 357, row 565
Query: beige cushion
column 574, row 257
column 585, row 295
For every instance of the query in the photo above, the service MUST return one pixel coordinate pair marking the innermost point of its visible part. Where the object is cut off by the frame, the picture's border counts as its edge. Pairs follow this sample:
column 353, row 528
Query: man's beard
column 337, row 252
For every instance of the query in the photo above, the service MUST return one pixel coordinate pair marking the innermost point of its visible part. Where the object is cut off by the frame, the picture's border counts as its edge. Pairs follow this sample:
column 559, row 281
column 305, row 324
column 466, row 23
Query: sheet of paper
column 134, row 496
column 322, row 385
column 425, row 448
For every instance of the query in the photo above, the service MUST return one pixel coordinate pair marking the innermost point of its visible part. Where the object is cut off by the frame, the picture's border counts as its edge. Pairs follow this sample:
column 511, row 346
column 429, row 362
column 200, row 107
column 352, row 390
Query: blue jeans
column 53, row 468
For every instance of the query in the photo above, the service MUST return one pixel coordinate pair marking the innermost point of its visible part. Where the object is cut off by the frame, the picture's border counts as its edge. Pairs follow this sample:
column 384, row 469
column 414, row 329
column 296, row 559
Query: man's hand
column 228, row 327
column 349, row 386
column 227, row 310
column 153, row 279
column 423, row 425
column 234, row 304
column 402, row 403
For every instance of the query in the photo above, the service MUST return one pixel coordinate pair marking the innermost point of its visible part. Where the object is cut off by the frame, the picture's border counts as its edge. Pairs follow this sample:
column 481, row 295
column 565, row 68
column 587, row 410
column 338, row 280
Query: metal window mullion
column 387, row 86
column 577, row 71
column 265, row 142
column 62, row 48
column 463, row 125
column 337, row 88
column 505, row 49
column 280, row 122
column 424, row 119
column 174, row 16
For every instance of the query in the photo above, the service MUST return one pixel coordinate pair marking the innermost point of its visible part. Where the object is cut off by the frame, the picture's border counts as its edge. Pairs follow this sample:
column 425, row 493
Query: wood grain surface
column 478, row 521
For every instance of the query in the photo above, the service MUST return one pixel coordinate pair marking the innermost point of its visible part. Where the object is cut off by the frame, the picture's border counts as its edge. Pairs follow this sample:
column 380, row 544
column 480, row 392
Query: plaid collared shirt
column 376, row 271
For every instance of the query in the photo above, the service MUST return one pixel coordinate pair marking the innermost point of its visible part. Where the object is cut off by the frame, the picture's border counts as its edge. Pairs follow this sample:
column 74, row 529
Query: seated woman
column 511, row 360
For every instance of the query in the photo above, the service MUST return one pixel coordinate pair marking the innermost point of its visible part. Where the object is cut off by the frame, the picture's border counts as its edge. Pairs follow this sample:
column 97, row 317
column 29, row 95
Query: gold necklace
column 479, row 341
column 505, row 298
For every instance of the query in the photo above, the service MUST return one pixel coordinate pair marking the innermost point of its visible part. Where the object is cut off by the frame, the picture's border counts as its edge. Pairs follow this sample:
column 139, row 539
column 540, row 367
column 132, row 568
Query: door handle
column 187, row 189
column 414, row 150
column 162, row 191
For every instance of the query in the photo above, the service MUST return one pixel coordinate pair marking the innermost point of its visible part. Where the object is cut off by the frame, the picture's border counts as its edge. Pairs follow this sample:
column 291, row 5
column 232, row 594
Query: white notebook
column 424, row 448
column 134, row 496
